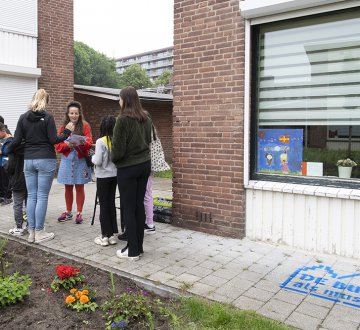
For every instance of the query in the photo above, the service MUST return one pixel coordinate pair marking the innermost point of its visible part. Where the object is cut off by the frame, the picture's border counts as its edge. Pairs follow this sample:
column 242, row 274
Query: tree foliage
column 93, row 68
column 135, row 76
column 164, row 79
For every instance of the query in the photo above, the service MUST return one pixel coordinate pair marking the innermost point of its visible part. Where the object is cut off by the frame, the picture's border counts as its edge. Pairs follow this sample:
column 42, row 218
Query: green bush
column 14, row 288
column 164, row 174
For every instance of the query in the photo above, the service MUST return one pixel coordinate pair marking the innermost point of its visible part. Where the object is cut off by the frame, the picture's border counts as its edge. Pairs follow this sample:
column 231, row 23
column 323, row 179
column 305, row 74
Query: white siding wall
column 18, row 49
column 15, row 97
column 19, row 16
column 306, row 220
column 18, row 58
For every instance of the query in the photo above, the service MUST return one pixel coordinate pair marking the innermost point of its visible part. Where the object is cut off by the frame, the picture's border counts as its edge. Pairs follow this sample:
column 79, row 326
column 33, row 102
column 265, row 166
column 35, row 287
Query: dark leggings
column 106, row 189
column 132, row 185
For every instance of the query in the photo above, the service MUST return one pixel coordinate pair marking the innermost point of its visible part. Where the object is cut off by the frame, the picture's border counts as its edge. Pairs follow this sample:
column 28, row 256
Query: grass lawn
column 199, row 314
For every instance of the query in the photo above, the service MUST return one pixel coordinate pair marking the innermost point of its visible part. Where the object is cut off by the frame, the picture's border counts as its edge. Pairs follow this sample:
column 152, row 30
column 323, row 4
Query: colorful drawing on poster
column 280, row 151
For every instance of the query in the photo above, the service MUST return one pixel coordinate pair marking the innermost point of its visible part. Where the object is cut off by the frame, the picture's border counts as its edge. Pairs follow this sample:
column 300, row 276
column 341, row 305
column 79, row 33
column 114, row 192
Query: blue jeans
column 39, row 175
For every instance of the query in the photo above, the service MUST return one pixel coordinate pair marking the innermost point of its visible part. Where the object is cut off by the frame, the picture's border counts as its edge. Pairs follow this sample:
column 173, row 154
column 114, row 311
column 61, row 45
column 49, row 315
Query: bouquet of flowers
column 346, row 163
column 81, row 300
column 67, row 277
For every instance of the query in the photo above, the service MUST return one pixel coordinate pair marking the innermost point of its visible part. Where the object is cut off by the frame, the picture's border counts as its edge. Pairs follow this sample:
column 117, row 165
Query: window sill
column 301, row 189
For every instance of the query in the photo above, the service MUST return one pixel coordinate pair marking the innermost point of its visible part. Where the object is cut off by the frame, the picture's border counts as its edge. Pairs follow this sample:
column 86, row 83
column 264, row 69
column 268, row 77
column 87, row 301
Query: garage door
column 15, row 97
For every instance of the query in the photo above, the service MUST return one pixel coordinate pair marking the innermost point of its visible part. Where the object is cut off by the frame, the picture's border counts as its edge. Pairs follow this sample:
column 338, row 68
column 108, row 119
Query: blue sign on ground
column 280, row 151
column 322, row 282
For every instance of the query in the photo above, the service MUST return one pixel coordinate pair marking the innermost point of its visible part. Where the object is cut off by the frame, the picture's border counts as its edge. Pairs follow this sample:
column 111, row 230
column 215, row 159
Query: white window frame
column 264, row 11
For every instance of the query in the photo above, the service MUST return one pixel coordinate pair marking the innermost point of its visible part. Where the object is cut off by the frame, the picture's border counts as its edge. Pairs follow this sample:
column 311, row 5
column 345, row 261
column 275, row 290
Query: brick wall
column 161, row 112
column 208, row 117
column 55, row 53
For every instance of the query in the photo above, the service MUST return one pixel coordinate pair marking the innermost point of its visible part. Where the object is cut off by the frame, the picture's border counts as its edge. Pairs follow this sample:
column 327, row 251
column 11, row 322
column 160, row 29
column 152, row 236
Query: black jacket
column 38, row 130
column 15, row 169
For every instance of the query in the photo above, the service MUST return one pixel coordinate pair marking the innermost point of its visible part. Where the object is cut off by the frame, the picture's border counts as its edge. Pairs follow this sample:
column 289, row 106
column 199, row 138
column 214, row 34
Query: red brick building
column 266, row 113
column 208, row 117
column 98, row 102
column 56, row 53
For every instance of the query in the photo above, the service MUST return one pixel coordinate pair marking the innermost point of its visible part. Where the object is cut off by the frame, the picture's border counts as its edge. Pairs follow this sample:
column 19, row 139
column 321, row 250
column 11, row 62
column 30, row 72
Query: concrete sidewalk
column 305, row 290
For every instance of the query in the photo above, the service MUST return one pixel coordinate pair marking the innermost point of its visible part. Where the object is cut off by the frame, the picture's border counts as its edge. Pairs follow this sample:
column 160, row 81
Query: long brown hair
column 79, row 127
column 131, row 106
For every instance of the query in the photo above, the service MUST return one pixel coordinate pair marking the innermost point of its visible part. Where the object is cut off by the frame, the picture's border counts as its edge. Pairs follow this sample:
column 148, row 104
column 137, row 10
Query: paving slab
column 303, row 289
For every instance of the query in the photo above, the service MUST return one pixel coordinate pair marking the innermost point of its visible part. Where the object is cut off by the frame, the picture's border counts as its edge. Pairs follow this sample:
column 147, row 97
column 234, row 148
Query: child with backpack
column 6, row 138
column 5, row 192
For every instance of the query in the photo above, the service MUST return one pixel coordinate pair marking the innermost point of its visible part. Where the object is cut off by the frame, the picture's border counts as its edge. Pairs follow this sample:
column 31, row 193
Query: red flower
column 64, row 271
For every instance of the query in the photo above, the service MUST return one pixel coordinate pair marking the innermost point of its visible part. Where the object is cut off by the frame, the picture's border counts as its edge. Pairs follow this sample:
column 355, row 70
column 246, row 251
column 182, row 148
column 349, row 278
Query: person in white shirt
column 106, row 182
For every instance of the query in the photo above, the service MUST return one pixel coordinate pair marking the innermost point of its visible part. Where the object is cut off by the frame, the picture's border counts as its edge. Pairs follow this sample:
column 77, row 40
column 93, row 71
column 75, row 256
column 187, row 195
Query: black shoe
column 149, row 230
column 123, row 236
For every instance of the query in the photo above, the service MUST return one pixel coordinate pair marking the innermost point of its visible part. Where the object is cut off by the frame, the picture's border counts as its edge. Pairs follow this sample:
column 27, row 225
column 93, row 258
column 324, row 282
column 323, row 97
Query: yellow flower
column 85, row 292
column 69, row 300
column 73, row 290
column 84, row 299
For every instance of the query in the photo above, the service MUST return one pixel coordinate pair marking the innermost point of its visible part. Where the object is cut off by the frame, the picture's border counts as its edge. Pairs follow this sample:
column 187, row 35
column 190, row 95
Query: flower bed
column 45, row 309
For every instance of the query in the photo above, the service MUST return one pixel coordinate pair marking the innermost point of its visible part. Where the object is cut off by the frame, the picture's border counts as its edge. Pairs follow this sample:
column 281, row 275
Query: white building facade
column 18, row 58
column 302, row 115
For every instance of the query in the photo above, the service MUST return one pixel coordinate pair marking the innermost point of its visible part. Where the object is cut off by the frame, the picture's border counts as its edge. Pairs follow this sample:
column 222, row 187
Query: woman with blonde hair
column 131, row 155
column 37, row 129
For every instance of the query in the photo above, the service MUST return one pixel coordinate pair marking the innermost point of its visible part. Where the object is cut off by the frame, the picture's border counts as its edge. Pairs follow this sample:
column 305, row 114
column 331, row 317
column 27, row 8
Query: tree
column 93, row 68
column 82, row 65
column 135, row 76
column 164, row 79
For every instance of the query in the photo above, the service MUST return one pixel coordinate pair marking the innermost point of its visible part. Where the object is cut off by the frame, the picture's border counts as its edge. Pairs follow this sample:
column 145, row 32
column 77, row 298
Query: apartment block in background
column 154, row 62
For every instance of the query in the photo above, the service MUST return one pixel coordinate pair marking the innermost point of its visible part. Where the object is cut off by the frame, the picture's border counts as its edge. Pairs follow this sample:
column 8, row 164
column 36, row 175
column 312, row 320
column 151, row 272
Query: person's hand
column 82, row 142
column 69, row 144
column 70, row 126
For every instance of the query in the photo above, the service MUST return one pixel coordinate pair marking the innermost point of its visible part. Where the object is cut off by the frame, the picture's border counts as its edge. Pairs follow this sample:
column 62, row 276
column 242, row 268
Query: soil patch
column 43, row 309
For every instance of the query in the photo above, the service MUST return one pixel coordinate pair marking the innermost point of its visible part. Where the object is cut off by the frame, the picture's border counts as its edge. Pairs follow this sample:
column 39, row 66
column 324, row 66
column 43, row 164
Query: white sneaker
column 103, row 241
column 113, row 239
column 43, row 236
column 124, row 253
column 16, row 231
column 31, row 238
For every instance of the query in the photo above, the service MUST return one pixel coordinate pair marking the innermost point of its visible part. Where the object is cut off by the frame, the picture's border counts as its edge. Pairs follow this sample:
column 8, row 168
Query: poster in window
column 280, row 151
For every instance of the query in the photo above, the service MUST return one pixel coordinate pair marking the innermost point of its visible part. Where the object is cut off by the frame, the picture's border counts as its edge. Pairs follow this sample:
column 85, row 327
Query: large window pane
column 308, row 81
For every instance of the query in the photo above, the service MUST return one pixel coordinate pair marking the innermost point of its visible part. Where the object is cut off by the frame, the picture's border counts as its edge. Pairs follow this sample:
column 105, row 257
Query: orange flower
column 85, row 292
column 78, row 295
column 73, row 290
column 69, row 300
column 84, row 299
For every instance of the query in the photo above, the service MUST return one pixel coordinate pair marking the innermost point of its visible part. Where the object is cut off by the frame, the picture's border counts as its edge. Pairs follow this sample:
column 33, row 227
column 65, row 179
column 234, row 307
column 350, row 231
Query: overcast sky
column 119, row 28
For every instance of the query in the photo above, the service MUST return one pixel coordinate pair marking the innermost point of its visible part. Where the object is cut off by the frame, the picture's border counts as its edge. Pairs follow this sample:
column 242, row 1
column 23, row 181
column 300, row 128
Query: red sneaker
column 78, row 219
column 65, row 216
